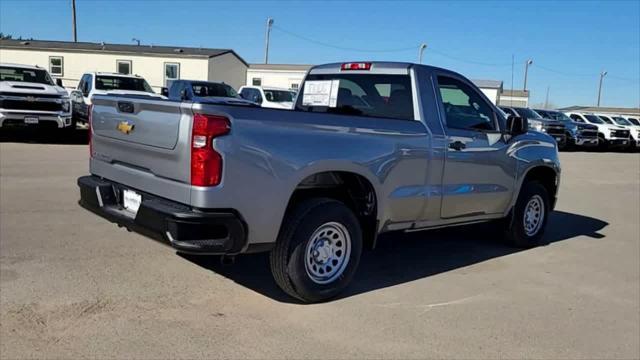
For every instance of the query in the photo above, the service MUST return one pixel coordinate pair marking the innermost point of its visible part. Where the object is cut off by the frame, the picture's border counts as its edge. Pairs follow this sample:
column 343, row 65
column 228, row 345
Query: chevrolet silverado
column 370, row 147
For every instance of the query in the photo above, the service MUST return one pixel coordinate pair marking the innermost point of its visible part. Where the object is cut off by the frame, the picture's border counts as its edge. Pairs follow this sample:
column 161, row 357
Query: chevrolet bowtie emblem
column 125, row 128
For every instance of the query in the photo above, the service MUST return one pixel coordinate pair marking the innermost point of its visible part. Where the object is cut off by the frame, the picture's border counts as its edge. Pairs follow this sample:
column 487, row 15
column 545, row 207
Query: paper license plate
column 31, row 120
column 131, row 200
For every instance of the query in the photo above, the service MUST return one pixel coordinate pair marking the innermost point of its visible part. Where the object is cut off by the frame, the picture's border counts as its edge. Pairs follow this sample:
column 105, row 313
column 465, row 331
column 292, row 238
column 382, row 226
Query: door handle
column 457, row 145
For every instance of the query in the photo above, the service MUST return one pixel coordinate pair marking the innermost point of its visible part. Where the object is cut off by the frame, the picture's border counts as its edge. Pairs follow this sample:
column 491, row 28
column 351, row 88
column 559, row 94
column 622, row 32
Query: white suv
column 269, row 97
column 101, row 83
column 609, row 135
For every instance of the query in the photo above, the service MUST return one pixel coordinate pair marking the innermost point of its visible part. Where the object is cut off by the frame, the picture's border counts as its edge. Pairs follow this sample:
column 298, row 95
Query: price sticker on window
column 321, row 93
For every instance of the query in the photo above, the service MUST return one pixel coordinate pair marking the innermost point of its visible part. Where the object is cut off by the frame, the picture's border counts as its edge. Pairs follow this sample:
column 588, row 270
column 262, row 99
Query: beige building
column 518, row 98
column 157, row 64
column 286, row 76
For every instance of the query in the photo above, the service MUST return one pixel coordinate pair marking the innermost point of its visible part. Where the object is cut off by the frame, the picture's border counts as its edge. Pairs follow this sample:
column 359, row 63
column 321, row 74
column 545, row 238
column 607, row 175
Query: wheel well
column 352, row 189
column 547, row 177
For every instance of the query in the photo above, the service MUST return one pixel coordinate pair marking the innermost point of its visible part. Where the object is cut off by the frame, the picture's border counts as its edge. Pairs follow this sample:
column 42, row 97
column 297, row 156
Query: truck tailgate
column 142, row 143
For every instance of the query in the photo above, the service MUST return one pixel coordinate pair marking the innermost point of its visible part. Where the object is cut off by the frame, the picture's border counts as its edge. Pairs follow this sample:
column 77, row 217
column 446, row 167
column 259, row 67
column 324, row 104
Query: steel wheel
column 533, row 215
column 327, row 252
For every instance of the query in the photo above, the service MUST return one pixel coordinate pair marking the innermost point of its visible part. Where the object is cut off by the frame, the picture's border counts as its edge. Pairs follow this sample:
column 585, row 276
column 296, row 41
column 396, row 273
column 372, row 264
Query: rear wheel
column 317, row 251
column 525, row 228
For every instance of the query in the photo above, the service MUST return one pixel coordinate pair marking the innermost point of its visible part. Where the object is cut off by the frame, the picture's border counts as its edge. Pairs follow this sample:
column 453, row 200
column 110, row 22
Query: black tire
column 288, row 257
column 514, row 228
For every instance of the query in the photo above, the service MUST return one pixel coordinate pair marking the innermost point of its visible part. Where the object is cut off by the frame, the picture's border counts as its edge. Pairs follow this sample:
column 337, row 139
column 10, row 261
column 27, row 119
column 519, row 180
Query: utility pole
column 73, row 19
column 546, row 99
column 602, row 75
column 137, row 41
column 526, row 71
column 423, row 47
column 266, row 45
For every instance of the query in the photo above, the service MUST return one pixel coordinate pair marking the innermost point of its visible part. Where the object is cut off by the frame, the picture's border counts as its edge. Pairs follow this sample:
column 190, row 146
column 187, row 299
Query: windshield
column 528, row 113
column 594, row 119
column 122, row 83
column 373, row 95
column 25, row 75
column 634, row 121
column 213, row 89
column 621, row 121
column 278, row 95
column 605, row 119
column 556, row 115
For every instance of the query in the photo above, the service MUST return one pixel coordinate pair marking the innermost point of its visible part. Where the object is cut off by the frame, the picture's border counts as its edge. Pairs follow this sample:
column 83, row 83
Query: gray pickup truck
column 369, row 148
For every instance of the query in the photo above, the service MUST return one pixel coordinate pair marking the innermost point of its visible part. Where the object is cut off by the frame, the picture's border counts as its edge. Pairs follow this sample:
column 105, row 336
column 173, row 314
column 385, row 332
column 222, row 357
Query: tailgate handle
column 125, row 107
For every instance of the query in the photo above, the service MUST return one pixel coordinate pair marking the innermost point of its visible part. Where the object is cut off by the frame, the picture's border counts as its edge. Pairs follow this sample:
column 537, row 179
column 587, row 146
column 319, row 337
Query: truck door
column 478, row 177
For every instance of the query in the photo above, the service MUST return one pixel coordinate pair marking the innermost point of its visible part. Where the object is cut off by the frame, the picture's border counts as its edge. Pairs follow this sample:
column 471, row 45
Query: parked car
column 94, row 83
column 578, row 134
column 609, row 136
column 554, row 128
column 634, row 130
column 29, row 97
column 315, row 185
column 204, row 92
column 268, row 97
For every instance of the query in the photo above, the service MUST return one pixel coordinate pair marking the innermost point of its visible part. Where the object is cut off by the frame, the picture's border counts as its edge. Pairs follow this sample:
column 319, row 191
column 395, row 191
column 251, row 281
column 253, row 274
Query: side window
column 256, row 96
column 123, row 67
column 576, row 117
column 464, row 108
column 171, row 72
column 80, row 86
column 256, row 81
column 56, row 66
column 88, row 85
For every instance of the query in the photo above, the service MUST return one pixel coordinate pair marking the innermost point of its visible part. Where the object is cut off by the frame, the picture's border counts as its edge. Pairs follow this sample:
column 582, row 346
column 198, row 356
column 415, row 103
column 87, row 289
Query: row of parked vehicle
column 30, row 97
column 582, row 130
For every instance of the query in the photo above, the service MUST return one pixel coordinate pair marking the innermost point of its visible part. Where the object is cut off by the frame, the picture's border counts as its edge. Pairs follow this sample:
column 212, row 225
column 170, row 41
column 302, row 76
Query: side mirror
column 59, row 82
column 164, row 91
column 76, row 96
column 517, row 125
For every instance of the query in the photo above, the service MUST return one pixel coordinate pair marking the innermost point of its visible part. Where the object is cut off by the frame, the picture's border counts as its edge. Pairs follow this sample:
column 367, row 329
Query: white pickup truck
column 102, row 83
column 29, row 98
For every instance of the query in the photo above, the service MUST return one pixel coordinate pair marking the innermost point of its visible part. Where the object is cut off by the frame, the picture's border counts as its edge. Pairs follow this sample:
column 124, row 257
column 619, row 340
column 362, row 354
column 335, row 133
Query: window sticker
column 321, row 93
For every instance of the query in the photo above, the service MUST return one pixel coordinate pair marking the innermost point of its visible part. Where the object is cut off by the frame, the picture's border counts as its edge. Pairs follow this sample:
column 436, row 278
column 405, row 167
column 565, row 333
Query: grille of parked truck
column 29, row 97
column 370, row 148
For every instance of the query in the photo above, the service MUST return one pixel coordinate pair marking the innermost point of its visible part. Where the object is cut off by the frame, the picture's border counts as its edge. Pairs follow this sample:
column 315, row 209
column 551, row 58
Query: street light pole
column 266, row 45
column 73, row 20
column 420, row 52
column 602, row 75
column 526, row 71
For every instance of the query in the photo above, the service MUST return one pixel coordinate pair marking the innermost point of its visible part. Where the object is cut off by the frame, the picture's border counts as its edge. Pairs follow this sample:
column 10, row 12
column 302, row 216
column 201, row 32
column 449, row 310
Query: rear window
column 213, row 90
column 122, row 83
column 278, row 95
column 386, row 96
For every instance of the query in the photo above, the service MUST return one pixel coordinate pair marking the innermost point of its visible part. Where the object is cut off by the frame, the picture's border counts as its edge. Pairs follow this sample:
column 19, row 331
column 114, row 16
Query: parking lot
column 73, row 285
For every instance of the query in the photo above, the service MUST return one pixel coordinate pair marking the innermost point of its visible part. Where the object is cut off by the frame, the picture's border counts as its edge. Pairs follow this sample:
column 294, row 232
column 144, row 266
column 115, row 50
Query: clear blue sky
column 569, row 42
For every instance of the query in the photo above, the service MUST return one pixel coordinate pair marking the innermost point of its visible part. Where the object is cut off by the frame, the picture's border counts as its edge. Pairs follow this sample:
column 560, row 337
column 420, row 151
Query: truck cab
column 269, row 97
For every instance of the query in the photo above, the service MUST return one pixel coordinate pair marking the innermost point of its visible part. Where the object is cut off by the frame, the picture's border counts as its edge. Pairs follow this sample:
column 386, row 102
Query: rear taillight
column 206, row 162
column 356, row 66
column 89, row 116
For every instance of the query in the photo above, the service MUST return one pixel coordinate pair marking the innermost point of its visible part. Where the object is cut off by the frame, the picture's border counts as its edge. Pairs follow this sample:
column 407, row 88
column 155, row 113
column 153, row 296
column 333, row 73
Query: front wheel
column 525, row 227
column 317, row 251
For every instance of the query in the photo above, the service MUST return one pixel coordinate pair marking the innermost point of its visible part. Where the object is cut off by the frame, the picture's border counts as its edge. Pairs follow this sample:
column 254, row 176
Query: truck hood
column 29, row 88
column 582, row 126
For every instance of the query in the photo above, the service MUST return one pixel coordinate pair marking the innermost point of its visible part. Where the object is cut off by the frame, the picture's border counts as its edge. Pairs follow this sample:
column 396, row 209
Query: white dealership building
column 157, row 64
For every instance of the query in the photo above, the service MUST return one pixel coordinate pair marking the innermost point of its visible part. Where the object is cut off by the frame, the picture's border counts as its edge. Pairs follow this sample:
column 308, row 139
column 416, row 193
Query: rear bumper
column 15, row 118
column 188, row 230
